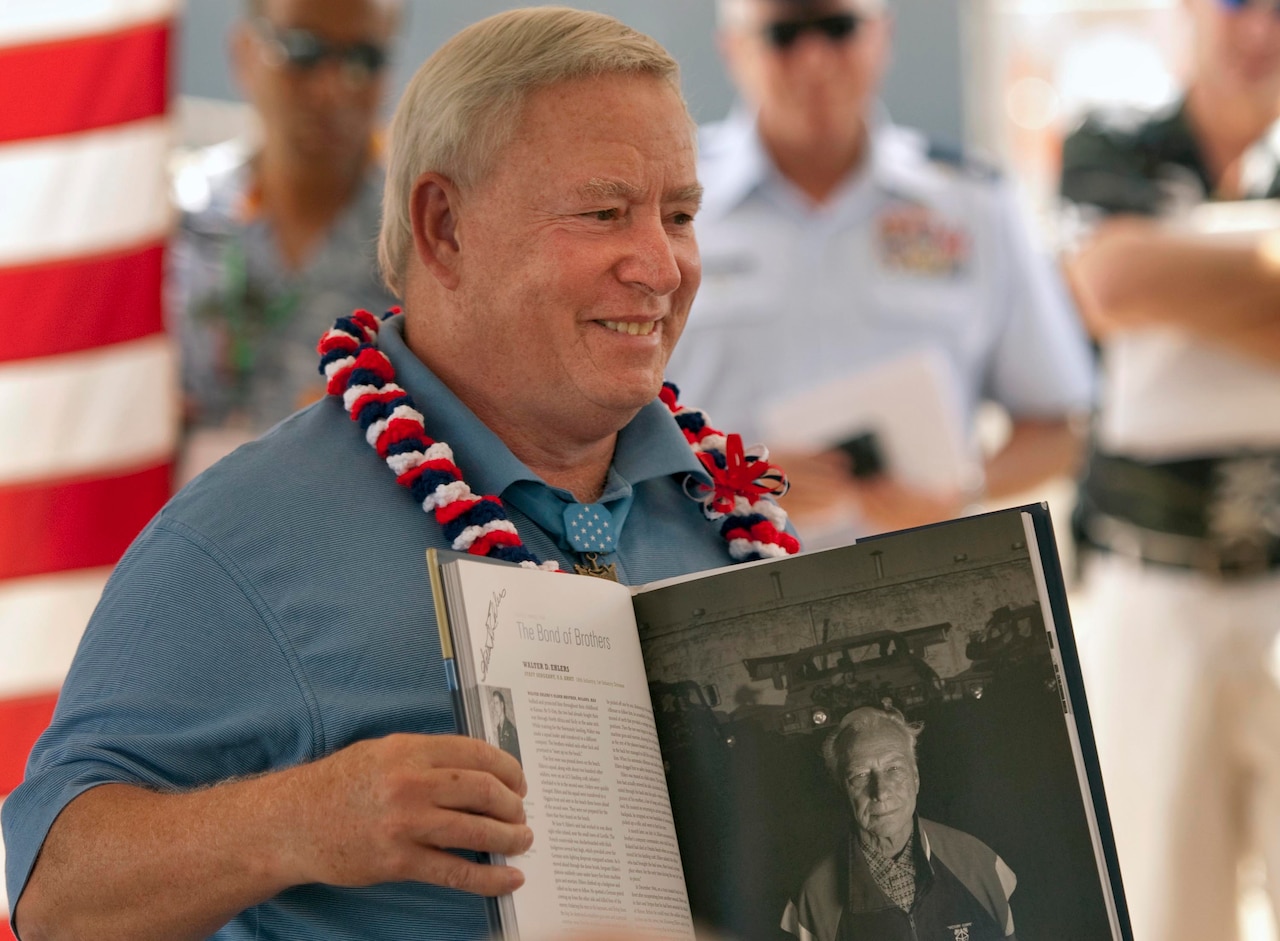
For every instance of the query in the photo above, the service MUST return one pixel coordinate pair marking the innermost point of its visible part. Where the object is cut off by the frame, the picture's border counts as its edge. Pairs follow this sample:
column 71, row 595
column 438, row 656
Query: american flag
column 88, row 401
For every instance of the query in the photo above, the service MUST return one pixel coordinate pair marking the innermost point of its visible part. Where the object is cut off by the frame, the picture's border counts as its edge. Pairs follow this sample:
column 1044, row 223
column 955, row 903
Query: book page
column 551, row 671
column 961, row 627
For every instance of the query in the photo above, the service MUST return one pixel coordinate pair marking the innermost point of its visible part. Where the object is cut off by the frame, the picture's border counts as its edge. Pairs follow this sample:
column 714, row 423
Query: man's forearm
column 1259, row 342
column 1138, row 273
column 125, row 862
column 1036, row 451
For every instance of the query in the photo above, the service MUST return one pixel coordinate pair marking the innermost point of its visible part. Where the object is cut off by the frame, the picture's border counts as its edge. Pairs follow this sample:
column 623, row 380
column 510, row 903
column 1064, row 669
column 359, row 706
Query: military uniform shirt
column 915, row 251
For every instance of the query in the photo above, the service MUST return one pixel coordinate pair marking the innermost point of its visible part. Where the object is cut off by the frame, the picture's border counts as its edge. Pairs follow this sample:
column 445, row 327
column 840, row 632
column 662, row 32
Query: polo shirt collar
column 649, row 447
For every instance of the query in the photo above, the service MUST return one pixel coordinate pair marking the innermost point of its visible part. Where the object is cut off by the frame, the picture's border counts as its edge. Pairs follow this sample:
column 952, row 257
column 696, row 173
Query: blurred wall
column 924, row 88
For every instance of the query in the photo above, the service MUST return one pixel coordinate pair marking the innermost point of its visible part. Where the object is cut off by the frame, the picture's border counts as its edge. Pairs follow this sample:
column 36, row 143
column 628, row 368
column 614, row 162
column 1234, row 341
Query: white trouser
column 1182, row 688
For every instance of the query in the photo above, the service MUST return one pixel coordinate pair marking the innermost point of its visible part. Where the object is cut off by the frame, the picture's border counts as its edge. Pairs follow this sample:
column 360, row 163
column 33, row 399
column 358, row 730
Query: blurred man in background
column 278, row 242
column 834, row 242
column 1179, row 279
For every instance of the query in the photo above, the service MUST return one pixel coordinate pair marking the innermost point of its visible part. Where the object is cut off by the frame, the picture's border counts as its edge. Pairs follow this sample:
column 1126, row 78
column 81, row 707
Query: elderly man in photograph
column 896, row 876
column 257, row 739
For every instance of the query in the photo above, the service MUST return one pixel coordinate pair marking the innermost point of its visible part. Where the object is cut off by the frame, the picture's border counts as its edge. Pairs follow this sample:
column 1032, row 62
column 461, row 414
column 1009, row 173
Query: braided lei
column 753, row 525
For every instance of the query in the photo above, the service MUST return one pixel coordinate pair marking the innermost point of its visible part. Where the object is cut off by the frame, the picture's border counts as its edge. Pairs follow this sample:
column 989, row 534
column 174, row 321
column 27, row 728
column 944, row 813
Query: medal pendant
column 591, row 566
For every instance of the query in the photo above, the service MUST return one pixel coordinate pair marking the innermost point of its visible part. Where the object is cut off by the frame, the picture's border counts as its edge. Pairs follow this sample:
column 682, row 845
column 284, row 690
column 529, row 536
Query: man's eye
column 604, row 215
column 682, row 218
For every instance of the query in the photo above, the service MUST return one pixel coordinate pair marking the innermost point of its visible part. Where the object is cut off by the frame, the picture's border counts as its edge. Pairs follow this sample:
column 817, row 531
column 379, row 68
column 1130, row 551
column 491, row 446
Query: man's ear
column 434, row 207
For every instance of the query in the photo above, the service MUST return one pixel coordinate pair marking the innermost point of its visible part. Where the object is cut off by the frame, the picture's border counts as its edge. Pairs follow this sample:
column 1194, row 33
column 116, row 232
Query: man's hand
column 389, row 809
column 887, row 504
column 1223, row 288
column 822, row 486
column 125, row 862
column 824, row 492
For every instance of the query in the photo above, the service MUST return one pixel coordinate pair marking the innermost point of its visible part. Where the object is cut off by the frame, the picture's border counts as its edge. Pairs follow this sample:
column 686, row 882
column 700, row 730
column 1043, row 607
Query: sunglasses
column 836, row 28
column 303, row 50
column 1234, row 5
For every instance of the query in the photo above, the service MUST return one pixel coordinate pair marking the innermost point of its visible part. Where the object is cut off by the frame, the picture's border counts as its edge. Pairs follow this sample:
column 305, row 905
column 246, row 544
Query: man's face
column 817, row 89
column 499, row 709
column 1238, row 49
column 578, row 259
column 317, row 108
column 882, row 783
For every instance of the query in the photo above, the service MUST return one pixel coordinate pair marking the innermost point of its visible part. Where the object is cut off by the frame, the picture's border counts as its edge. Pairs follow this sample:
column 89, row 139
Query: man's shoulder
column 916, row 165
column 945, row 842
column 958, row 161
column 292, row 484
column 1127, row 138
column 1122, row 159
column 1125, row 126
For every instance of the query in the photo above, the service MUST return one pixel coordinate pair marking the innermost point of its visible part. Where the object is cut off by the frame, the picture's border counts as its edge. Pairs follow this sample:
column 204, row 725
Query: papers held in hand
column 903, row 416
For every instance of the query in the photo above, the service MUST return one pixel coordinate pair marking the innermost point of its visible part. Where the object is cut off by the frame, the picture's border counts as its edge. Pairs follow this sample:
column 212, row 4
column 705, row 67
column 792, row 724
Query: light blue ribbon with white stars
column 589, row 527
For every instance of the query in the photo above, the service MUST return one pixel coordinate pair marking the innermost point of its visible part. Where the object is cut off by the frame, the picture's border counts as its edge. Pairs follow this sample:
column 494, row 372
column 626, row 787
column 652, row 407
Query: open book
column 671, row 734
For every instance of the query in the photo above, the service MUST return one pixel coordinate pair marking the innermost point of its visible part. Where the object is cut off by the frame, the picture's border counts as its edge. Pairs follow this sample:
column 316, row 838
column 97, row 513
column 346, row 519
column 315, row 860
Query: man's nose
column 875, row 786
column 651, row 261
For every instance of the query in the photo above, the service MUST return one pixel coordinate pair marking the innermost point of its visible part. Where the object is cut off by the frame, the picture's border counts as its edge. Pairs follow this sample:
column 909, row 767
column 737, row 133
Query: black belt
column 1219, row 516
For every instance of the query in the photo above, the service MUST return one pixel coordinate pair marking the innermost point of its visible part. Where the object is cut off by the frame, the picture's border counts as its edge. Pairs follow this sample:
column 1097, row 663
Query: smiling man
column 256, row 739
column 896, row 876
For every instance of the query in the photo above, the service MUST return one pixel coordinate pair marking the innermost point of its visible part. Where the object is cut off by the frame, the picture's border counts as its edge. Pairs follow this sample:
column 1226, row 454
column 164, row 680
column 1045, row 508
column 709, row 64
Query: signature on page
column 490, row 632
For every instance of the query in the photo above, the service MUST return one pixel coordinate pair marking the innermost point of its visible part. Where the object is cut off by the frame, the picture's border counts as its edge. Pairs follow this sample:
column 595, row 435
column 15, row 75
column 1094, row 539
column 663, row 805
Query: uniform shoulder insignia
column 957, row 160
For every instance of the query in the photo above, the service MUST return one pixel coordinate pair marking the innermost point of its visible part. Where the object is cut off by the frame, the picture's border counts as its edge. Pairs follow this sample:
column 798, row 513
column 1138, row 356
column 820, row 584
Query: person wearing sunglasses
column 1177, row 268
column 276, row 238
column 837, row 244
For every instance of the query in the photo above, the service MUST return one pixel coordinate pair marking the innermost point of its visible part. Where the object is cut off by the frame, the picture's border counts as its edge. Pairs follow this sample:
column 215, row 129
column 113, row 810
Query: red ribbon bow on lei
column 744, row 475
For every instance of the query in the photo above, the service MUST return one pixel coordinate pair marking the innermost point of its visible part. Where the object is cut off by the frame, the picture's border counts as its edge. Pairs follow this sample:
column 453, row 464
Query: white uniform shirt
column 911, row 253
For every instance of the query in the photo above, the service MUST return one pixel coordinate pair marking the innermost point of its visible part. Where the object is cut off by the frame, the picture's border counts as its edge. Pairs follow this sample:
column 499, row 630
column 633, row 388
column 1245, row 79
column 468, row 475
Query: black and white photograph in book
column 501, row 720
column 878, row 744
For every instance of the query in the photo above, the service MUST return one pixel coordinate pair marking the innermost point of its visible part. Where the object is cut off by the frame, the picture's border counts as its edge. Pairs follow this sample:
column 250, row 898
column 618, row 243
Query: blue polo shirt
column 278, row 609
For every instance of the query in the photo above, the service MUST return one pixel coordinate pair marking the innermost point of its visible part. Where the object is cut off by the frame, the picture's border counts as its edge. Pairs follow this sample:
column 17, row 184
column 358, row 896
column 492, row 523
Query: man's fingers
column 440, row 868
column 459, row 751
column 454, row 830
column 476, row 792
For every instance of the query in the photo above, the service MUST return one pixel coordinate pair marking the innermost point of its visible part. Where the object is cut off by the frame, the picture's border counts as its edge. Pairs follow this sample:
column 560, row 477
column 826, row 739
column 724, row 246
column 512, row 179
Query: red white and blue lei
column 739, row 499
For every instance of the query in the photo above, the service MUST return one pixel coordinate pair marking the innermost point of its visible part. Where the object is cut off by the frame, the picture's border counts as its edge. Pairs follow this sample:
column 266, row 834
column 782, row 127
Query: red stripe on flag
column 84, row 83
column 21, row 722
column 74, row 524
column 70, row 306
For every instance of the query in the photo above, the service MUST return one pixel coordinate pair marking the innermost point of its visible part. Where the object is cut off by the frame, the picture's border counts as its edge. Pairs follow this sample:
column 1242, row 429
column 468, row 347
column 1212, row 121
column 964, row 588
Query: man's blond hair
column 463, row 105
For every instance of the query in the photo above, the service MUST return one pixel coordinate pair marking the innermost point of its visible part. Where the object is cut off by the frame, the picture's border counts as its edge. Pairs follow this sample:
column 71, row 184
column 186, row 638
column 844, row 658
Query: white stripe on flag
column 32, row 21
column 41, row 620
column 109, row 409
column 81, row 194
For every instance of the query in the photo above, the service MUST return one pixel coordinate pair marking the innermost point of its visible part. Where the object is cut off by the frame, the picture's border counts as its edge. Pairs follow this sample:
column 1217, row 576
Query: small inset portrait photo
column 501, row 721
